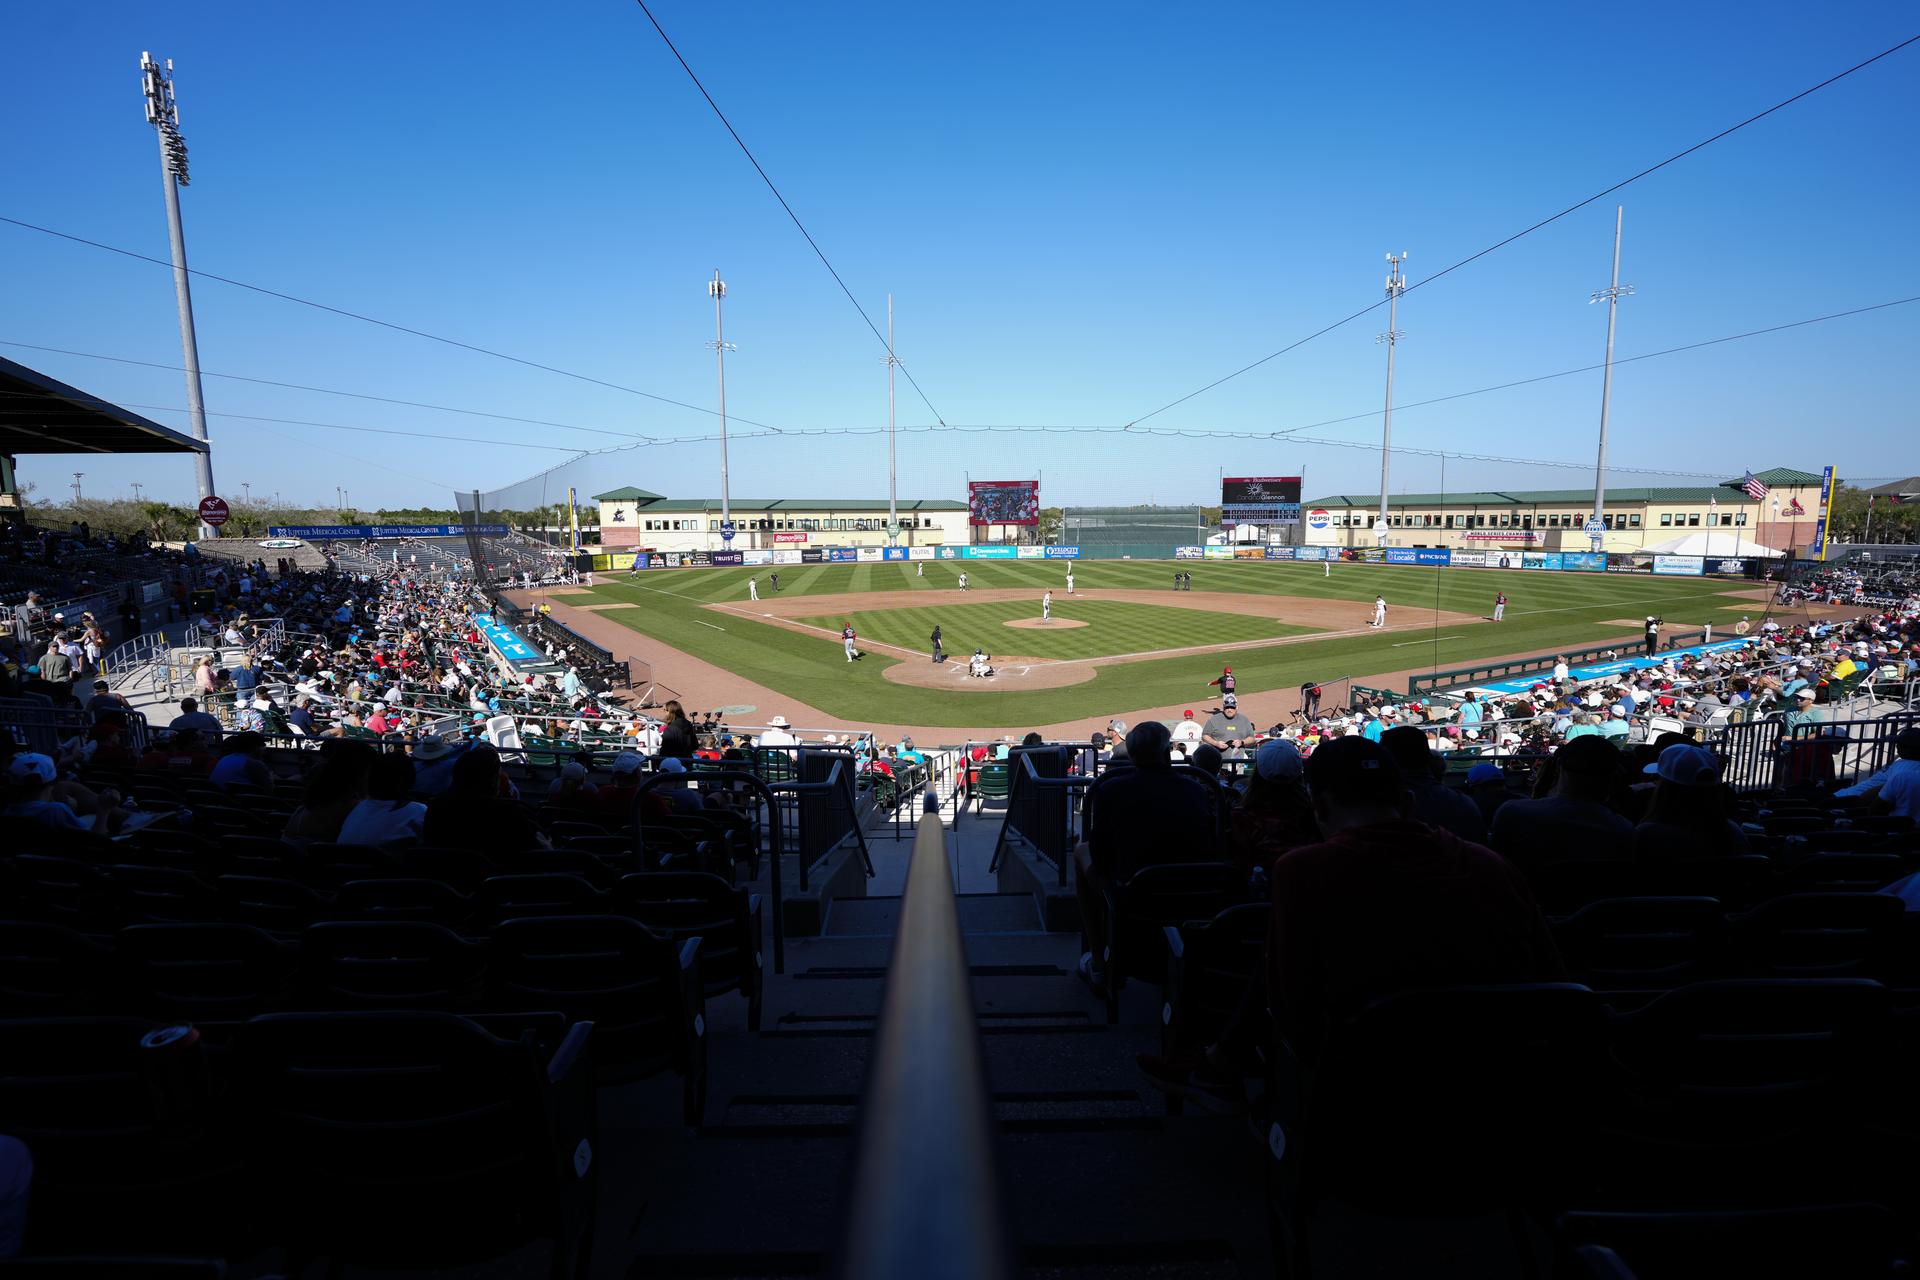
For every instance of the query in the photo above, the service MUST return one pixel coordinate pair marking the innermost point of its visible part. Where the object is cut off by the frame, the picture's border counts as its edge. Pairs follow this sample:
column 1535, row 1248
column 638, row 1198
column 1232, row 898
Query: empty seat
column 389, row 964
column 273, row 903
column 332, row 865
column 1139, row 910
column 418, row 1139
column 1834, row 1242
column 405, row 899
column 640, row 989
column 1844, row 872
column 1814, row 935
column 201, row 972
column 552, row 894
column 1209, row 964
column 694, row 904
column 160, row 895
column 48, row 969
column 1630, row 944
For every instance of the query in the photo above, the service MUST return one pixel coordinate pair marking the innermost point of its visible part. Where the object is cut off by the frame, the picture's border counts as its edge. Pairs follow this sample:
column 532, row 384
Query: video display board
column 1003, row 502
column 1260, row 500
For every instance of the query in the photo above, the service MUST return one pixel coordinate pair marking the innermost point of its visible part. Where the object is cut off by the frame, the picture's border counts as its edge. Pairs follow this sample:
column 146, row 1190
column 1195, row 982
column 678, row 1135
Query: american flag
column 1755, row 487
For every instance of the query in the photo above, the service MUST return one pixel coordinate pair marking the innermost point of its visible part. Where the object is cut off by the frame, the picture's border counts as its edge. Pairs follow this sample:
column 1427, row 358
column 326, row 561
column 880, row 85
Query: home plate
column 1431, row 640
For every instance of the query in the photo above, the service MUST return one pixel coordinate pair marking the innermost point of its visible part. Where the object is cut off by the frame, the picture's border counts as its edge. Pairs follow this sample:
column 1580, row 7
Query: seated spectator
column 334, row 787
column 475, row 814
column 182, row 751
column 1275, row 815
column 192, row 717
column 1574, row 820
column 1387, row 903
column 674, row 795
column 243, row 763
column 104, row 699
column 30, row 798
column 1136, row 816
column 1687, row 815
column 1899, row 790
column 570, row 788
column 614, row 798
column 1487, row 788
column 1434, row 803
column 389, row 816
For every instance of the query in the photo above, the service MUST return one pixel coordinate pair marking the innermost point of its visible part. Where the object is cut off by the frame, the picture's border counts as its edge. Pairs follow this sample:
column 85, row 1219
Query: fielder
column 963, row 582
column 847, row 637
column 1069, row 579
column 753, row 588
column 1046, row 607
column 1500, row 607
column 1379, row 611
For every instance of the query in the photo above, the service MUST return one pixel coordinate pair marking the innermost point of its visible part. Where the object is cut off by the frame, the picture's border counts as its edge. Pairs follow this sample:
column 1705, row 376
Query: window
column 1693, row 520
column 1666, row 520
column 1634, row 520
column 1740, row 519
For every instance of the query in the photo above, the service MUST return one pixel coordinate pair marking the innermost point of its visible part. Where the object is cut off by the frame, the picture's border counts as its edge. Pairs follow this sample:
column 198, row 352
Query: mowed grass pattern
column 1112, row 627
column 1545, row 610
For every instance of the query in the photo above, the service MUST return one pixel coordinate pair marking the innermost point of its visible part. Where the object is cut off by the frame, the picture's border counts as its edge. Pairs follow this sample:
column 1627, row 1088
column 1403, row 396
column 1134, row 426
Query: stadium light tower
column 1396, row 285
column 893, row 503
column 717, row 290
column 163, row 113
column 1612, row 293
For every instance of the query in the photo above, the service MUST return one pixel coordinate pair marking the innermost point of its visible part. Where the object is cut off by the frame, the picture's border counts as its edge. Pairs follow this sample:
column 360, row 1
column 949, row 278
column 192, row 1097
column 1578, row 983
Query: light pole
column 1396, row 285
column 893, row 506
column 717, row 290
column 1612, row 293
column 75, row 486
column 136, row 490
column 163, row 113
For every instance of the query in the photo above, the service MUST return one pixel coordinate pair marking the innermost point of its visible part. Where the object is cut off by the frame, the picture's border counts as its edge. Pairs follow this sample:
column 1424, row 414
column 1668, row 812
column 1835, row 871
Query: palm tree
column 159, row 517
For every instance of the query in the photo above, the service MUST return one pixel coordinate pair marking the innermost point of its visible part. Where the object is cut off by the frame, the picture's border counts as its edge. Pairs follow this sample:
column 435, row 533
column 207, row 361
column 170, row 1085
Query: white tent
column 1716, row 543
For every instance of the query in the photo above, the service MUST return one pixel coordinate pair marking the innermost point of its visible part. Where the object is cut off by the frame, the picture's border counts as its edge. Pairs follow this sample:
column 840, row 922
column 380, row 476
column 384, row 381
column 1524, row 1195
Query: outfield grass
column 1112, row 627
column 1544, row 610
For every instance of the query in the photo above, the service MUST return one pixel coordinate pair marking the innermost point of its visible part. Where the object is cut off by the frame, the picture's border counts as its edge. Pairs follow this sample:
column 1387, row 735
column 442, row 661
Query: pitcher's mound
column 1045, row 624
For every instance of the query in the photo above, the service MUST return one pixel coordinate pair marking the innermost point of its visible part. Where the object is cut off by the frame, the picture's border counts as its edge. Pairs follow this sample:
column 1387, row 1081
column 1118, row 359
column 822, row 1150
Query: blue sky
column 1083, row 213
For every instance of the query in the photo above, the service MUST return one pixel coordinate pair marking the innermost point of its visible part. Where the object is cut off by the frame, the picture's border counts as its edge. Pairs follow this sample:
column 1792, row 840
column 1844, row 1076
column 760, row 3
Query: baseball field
column 1124, row 642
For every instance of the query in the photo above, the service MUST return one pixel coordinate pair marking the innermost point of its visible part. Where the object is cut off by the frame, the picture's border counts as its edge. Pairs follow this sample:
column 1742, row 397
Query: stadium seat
column 389, row 964
column 1814, row 935
column 419, row 1139
column 462, row 869
column 1139, row 910
column 272, row 903
column 1443, row 1103
column 57, row 890
column 549, row 894
column 433, row 901
column 329, row 866
column 1209, row 964
column 160, row 895
column 48, row 970
column 1834, row 1242
column 193, row 973
column 640, row 989
column 1639, row 944
column 1833, row 872
column 694, row 904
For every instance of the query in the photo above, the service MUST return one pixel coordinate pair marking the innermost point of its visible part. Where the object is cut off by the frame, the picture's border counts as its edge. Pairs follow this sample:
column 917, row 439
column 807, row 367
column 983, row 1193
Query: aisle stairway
column 1098, row 1180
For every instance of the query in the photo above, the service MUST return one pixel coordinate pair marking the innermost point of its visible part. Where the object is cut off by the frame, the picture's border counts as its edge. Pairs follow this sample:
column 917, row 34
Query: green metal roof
column 1581, row 498
column 628, row 494
column 1782, row 476
column 806, row 506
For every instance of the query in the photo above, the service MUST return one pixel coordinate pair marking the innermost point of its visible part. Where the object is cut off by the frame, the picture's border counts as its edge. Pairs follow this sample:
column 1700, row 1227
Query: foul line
column 1434, row 640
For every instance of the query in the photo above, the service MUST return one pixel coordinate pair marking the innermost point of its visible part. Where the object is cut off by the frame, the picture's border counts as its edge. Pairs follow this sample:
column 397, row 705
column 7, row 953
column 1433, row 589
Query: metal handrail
column 1024, row 786
column 926, row 1194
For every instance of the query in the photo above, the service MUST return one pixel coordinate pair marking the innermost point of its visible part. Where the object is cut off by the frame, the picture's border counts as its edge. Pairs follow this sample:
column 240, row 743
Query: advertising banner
column 1315, row 553
column 812, row 555
column 1503, row 559
column 1249, row 553
column 950, row 553
column 1584, row 561
column 789, row 555
column 1259, row 500
column 1030, row 553
column 603, row 562
column 1280, row 553
column 1819, row 548
column 621, row 560
column 1539, row 559
column 329, row 532
column 1468, row 559
column 1187, row 553
column 921, row 553
column 1216, row 553
column 1373, row 555
column 790, row 537
column 1063, row 553
column 506, row 641
column 729, row 559
column 1003, row 502
column 843, row 555
column 1319, row 518
column 869, row 555
column 893, row 553
column 1729, row 567
column 1432, row 555
column 1679, row 566
column 696, row 559
column 988, row 553
column 1401, row 555
column 1504, row 535
column 761, row 556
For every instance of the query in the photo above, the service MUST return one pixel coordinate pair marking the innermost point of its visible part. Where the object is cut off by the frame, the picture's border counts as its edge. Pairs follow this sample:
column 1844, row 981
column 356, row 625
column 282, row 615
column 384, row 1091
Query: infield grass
column 1111, row 627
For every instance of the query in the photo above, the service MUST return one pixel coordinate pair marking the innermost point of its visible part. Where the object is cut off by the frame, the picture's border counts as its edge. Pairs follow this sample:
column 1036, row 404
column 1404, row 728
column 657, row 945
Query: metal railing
column 926, row 1195
column 1480, row 673
column 1767, row 755
column 42, row 727
column 141, row 660
column 1042, row 809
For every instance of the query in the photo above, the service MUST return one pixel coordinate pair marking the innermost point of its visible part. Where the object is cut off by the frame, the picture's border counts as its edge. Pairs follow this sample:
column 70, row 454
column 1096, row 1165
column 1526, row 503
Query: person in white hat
column 778, row 734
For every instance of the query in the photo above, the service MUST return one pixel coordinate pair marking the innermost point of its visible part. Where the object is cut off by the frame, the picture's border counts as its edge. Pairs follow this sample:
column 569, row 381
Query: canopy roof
column 39, row 414
column 1714, row 542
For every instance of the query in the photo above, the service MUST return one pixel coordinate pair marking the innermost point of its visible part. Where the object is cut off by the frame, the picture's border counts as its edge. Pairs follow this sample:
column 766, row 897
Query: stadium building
column 634, row 519
column 1637, row 519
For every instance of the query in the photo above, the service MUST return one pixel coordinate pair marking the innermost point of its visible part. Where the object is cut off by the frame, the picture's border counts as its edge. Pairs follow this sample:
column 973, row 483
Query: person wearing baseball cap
column 1688, row 814
column 1186, row 733
column 1434, row 803
column 1274, row 815
column 1575, row 820
column 1803, row 717
column 29, row 798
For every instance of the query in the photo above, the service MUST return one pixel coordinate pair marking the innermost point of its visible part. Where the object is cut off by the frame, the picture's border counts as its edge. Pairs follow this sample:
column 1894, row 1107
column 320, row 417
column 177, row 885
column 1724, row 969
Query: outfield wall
column 1415, row 557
